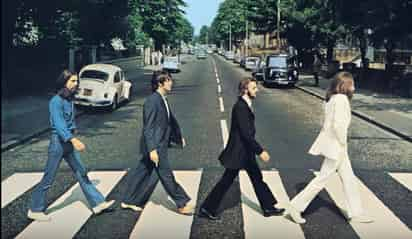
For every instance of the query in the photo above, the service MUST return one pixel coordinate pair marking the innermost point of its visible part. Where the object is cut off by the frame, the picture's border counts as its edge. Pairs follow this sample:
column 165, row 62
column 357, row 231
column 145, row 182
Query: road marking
column 217, row 76
column 218, row 80
column 385, row 225
column 255, row 224
column 222, row 107
column 159, row 218
column 403, row 178
column 225, row 132
column 17, row 184
column 219, row 89
column 71, row 210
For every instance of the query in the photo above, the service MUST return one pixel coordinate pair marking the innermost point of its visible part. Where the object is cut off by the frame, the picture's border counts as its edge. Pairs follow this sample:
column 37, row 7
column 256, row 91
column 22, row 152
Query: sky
column 201, row 12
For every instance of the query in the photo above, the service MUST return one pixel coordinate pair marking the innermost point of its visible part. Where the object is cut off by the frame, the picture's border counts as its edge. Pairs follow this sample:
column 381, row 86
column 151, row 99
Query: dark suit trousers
column 263, row 192
column 143, row 181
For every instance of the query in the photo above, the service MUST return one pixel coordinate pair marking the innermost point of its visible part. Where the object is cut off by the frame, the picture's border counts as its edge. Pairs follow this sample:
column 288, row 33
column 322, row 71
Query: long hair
column 243, row 84
column 63, row 78
column 340, row 84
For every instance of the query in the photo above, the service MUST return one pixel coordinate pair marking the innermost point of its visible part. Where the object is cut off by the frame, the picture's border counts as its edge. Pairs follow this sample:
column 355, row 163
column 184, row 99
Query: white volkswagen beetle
column 102, row 85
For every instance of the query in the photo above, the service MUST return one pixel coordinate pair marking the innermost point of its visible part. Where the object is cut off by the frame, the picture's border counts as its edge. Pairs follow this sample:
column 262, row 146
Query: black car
column 280, row 69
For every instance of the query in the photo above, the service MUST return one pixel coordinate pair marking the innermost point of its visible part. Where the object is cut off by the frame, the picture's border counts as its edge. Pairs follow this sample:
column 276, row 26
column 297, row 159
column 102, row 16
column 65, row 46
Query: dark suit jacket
column 158, row 130
column 242, row 145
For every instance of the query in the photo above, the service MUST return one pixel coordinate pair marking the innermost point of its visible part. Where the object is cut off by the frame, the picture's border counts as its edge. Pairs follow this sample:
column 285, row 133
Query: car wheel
column 115, row 103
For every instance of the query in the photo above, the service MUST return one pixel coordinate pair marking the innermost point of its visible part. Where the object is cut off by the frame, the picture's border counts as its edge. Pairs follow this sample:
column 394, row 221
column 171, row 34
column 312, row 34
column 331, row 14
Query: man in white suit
column 332, row 144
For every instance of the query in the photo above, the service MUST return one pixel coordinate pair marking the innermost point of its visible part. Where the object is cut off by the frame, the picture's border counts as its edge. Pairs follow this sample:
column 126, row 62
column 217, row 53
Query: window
column 277, row 62
column 117, row 77
column 93, row 74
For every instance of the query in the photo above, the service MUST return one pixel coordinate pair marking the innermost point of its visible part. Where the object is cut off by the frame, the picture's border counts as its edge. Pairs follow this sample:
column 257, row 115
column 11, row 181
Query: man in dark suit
column 160, row 129
column 240, row 154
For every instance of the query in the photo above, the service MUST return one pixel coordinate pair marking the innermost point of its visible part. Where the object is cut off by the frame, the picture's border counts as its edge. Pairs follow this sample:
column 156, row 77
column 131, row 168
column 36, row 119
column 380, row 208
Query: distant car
column 251, row 63
column 171, row 63
column 201, row 54
column 280, row 69
column 209, row 51
column 102, row 85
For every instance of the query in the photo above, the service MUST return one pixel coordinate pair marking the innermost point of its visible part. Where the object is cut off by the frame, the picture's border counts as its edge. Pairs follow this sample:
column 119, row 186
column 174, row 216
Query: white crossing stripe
column 403, row 178
column 225, row 132
column 222, row 107
column 70, row 211
column 255, row 224
column 218, row 80
column 160, row 219
column 219, row 89
column 17, row 184
column 385, row 225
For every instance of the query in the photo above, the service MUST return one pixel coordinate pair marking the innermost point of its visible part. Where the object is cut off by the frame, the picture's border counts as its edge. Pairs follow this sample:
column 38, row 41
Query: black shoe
column 273, row 212
column 206, row 214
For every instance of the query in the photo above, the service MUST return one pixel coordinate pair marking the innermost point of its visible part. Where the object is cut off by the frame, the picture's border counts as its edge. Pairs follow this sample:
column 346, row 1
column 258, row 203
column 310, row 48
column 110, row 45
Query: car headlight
column 295, row 72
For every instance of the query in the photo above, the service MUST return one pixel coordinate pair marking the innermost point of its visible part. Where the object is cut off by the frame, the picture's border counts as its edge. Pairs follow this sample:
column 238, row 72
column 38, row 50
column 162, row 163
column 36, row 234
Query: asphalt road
column 287, row 122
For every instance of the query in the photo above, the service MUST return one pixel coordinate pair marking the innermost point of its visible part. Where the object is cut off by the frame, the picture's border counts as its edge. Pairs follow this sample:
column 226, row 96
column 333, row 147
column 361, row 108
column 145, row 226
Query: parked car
column 171, row 63
column 251, row 63
column 258, row 72
column 280, row 69
column 229, row 55
column 238, row 58
column 102, row 85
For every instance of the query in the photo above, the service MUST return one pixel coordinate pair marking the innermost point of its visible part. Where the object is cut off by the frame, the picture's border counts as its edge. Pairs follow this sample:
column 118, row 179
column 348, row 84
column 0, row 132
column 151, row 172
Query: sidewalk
column 27, row 117
column 390, row 112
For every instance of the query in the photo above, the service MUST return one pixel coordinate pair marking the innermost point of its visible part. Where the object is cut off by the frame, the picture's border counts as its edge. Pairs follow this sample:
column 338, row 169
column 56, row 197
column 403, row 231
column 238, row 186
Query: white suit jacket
column 332, row 139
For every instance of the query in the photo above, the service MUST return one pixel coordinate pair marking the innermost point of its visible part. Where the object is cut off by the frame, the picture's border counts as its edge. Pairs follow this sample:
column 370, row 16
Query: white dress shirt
column 248, row 101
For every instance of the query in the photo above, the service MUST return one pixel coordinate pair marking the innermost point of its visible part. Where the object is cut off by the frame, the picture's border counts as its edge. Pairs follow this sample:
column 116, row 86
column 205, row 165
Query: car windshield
column 277, row 61
column 93, row 74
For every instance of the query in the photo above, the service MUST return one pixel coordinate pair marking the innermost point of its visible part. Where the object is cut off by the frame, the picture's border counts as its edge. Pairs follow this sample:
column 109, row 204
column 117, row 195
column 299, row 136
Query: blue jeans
column 58, row 150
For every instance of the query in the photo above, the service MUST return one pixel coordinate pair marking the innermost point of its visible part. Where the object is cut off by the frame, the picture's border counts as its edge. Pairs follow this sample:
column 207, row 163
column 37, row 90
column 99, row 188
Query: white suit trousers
column 349, row 181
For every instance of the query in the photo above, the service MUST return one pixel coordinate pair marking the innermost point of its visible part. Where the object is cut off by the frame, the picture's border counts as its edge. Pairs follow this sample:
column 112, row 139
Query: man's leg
column 263, row 192
column 213, row 200
column 350, row 188
column 141, row 184
column 302, row 200
column 55, row 155
column 93, row 196
column 176, row 192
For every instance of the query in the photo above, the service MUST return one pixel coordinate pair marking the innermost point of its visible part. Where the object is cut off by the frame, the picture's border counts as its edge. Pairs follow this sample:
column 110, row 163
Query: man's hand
column 265, row 156
column 77, row 144
column 183, row 142
column 154, row 157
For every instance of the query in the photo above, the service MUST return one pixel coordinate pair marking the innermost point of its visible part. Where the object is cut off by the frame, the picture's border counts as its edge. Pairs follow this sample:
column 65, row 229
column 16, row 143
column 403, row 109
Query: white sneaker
column 130, row 206
column 38, row 216
column 361, row 219
column 102, row 206
column 295, row 215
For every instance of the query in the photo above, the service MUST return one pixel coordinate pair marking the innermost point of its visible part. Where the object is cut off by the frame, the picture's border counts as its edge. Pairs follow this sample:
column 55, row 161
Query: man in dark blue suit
column 160, row 129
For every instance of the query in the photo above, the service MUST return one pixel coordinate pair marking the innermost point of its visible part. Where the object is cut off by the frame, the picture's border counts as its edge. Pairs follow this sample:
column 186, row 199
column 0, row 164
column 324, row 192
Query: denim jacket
column 62, row 115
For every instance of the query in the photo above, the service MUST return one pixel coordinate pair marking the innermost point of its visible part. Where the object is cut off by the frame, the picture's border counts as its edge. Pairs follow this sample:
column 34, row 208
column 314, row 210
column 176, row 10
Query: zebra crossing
column 159, row 219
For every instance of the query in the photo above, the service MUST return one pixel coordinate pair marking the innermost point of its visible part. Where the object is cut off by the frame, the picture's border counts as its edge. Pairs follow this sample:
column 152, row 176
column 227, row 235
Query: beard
column 251, row 96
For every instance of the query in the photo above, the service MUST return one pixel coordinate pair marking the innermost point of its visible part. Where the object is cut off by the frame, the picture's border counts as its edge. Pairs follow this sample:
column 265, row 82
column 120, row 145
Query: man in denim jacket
column 63, row 144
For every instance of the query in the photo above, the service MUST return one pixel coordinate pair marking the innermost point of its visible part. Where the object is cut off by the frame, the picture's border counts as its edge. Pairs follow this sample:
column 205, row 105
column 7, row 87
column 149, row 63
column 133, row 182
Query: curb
column 364, row 116
column 25, row 138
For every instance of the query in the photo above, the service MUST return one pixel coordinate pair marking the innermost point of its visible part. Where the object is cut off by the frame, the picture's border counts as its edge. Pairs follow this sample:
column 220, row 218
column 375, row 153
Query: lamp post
column 230, row 37
column 278, row 23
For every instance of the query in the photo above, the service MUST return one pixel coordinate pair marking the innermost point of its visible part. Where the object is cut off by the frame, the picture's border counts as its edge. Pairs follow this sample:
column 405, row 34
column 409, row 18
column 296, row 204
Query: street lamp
column 230, row 36
column 278, row 23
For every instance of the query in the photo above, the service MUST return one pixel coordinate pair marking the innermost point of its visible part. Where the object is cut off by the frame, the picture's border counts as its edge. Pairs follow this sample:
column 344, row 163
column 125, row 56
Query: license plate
column 283, row 82
column 87, row 92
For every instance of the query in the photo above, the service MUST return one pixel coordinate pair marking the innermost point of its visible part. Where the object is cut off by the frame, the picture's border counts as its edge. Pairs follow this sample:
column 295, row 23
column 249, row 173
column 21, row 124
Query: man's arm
column 246, row 129
column 149, row 119
column 56, row 113
column 176, row 134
